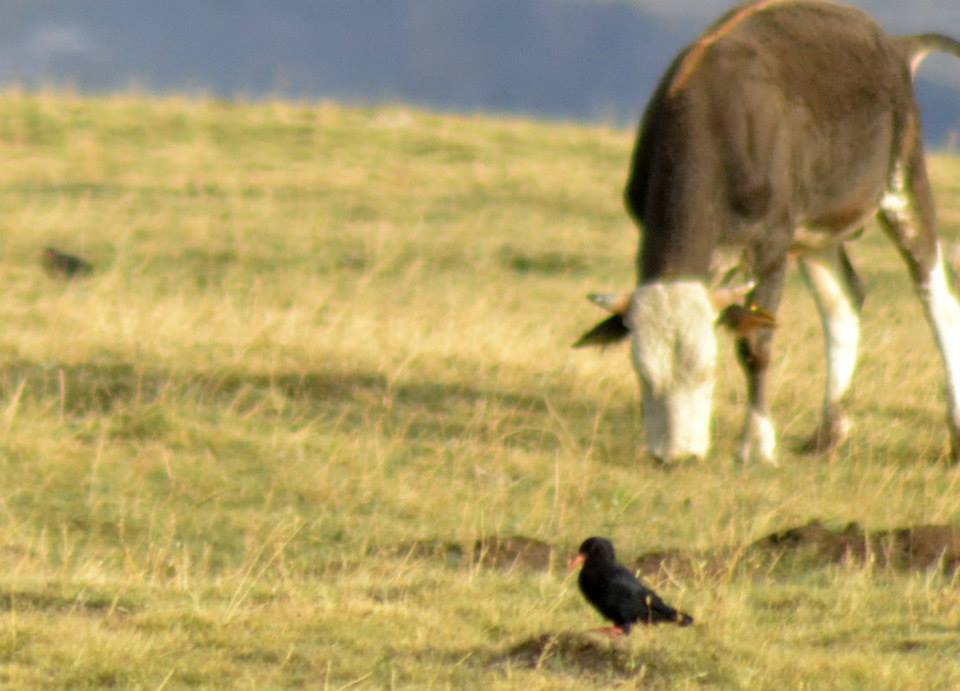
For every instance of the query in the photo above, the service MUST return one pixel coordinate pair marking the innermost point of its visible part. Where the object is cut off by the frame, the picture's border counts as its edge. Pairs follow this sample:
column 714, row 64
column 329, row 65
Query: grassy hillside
column 324, row 351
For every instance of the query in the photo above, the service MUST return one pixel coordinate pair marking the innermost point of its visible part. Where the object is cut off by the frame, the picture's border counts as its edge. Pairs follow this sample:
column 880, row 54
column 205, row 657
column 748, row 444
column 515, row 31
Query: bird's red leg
column 612, row 631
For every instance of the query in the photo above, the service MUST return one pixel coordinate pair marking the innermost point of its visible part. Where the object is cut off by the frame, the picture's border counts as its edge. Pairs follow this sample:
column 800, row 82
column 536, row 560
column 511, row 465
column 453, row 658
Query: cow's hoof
column 748, row 452
column 758, row 440
column 828, row 436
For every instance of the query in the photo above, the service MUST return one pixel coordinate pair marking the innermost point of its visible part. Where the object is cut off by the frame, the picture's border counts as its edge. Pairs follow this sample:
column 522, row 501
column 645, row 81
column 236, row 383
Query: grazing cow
column 780, row 132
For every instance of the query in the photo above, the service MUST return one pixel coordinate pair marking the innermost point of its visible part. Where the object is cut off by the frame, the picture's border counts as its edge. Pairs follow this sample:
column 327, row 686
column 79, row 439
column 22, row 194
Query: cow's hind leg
column 907, row 216
column 839, row 296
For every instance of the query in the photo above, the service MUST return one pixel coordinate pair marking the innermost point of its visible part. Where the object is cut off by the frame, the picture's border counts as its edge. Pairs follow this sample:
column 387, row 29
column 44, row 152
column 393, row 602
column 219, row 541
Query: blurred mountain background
column 570, row 59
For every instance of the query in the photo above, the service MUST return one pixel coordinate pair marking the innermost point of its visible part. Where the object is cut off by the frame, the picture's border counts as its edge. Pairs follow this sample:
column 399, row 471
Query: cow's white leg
column 908, row 218
column 943, row 312
column 838, row 303
column 758, row 438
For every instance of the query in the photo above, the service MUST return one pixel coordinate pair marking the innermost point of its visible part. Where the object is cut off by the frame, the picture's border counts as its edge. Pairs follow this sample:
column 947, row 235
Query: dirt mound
column 452, row 553
column 813, row 544
column 579, row 653
column 513, row 552
column 912, row 548
column 494, row 551
column 639, row 660
column 682, row 564
column 917, row 547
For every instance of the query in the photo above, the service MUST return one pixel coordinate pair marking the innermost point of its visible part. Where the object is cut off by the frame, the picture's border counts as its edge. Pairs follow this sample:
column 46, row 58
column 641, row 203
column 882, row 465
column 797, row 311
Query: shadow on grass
column 548, row 263
column 65, row 602
column 418, row 411
column 543, row 418
column 637, row 658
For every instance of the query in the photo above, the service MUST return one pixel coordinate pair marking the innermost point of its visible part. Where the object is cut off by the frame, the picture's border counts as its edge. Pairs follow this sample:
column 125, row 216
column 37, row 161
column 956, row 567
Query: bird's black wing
column 636, row 603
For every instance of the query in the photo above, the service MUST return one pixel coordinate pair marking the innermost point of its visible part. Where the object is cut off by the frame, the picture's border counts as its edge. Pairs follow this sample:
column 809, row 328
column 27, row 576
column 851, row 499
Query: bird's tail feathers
column 661, row 612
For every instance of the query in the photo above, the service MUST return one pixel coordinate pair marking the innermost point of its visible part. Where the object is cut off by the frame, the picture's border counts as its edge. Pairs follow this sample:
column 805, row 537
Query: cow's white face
column 675, row 354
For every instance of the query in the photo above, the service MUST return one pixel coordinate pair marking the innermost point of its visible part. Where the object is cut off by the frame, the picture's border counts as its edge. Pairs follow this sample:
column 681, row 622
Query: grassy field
column 323, row 347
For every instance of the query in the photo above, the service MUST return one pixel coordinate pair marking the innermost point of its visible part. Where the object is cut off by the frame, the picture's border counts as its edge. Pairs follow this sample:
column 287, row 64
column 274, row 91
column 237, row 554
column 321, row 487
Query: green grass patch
column 325, row 351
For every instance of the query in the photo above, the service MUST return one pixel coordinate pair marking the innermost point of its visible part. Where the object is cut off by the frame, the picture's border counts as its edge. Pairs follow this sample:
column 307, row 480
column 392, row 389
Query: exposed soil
column 495, row 552
column 641, row 661
column 452, row 553
column 815, row 541
column 918, row 547
column 913, row 548
column 579, row 653
column 676, row 563
column 513, row 552
column 814, row 544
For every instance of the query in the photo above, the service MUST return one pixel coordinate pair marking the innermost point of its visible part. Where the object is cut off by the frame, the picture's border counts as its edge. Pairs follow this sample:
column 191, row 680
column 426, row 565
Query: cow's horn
column 616, row 303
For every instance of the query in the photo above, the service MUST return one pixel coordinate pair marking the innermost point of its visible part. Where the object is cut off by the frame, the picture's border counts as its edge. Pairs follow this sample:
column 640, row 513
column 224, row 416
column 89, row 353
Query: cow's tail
column 919, row 46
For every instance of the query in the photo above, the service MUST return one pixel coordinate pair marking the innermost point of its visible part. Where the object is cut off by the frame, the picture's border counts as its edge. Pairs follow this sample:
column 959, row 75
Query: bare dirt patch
column 919, row 547
column 639, row 660
column 814, row 544
column 451, row 553
column 682, row 564
column 504, row 553
column 514, row 552
column 910, row 548
column 581, row 654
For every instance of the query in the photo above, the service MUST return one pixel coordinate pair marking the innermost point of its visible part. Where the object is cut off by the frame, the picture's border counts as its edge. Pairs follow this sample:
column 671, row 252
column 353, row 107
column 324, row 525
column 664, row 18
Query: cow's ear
column 611, row 330
column 615, row 303
column 745, row 320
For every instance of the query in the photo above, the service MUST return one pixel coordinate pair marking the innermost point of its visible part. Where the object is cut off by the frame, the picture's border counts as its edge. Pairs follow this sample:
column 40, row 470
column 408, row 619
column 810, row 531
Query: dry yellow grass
column 316, row 335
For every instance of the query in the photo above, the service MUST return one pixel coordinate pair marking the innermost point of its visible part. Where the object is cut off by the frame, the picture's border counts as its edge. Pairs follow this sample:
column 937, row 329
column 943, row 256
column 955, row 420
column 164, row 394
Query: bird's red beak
column 576, row 562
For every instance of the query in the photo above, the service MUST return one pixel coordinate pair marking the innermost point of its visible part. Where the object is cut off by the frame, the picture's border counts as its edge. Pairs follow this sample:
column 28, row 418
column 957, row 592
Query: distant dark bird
column 65, row 265
column 616, row 593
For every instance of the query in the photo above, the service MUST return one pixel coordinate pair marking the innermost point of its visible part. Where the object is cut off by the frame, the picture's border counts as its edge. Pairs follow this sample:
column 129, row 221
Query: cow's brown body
column 783, row 129
column 793, row 119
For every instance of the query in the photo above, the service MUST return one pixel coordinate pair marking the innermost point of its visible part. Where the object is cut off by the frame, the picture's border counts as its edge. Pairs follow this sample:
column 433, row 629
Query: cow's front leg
column 758, row 436
column 753, row 351
column 838, row 294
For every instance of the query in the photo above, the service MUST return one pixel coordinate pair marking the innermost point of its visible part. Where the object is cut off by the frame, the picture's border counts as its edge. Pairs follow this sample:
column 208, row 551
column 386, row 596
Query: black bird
column 65, row 265
column 616, row 593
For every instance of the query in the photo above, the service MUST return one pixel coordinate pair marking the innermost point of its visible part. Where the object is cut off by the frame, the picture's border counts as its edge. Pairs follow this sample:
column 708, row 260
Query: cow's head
column 674, row 351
